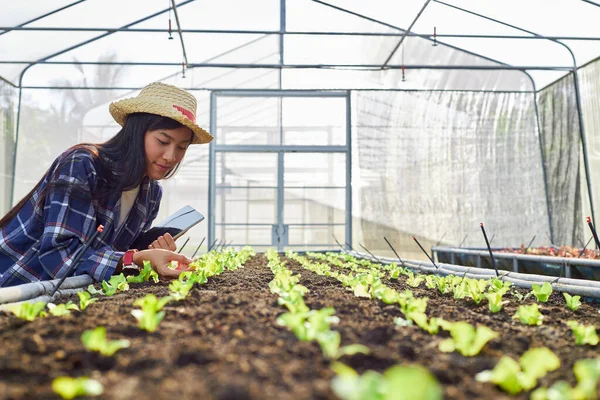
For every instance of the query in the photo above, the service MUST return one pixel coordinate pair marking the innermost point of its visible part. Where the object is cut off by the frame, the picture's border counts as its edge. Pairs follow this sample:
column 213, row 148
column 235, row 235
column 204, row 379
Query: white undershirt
column 127, row 200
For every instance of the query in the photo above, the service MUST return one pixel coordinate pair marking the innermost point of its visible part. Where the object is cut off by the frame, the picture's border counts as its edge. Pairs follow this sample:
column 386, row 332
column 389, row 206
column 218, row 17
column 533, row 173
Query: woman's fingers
column 164, row 242
column 170, row 242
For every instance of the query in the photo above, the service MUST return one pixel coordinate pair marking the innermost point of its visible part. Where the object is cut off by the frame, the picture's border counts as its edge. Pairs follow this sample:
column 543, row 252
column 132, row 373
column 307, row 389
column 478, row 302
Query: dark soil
column 222, row 342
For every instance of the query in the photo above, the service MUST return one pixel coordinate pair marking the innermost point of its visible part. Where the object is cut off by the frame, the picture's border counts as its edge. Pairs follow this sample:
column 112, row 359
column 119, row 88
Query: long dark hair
column 120, row 162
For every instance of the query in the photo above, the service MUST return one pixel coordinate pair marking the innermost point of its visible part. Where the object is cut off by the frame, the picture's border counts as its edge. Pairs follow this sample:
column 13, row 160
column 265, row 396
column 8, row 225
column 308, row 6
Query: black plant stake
column 86, row 245
column 184, row 243
column 423, row 250
column 589, row 222
column 198, row 248
column 338, row 243
column 372, row 255
column 530, row 243
column 436, row 245
column 585, row 246
column 394, row 250
column 212, row 245
column 489, row 249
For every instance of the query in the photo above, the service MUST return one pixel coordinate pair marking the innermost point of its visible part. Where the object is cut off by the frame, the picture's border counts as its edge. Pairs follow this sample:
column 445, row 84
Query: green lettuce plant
column 542, row 292
column 59, row 310
column 573, row 302
column 514, row 377
column 584, row 334
column 95, row 340
column 399, row 382
column 477, row 289
column 150, row 315
column 499, row 286
column 587, row 373
column 69, row 388
column 467, row 340
column 529, row 315
column 85, row 299
column 28, row 311
column 145, row 274
column 495, row 302
column 116, row 282
column 414, row 280
column 430, row 282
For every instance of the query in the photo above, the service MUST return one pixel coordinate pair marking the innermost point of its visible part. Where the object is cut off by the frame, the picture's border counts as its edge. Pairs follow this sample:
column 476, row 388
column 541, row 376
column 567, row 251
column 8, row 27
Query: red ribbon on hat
column 187, row 113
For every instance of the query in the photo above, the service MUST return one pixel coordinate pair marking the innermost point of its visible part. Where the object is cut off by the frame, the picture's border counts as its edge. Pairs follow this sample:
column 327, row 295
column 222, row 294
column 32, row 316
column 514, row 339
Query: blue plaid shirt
column 39, row 243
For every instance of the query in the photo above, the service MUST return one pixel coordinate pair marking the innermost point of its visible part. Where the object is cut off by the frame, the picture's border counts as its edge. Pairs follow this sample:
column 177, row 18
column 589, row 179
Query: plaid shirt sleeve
column 70, row 221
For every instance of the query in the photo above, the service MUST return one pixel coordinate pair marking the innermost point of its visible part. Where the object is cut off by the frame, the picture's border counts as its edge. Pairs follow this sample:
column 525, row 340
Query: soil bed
column 222, row 342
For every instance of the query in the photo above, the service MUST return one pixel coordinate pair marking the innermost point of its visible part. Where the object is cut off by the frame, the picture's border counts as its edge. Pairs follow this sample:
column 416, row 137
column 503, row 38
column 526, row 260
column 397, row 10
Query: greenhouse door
column 280, row 169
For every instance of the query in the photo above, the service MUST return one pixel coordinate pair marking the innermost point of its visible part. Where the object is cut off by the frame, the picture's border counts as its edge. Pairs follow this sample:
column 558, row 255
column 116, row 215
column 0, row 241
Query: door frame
column 280, row 227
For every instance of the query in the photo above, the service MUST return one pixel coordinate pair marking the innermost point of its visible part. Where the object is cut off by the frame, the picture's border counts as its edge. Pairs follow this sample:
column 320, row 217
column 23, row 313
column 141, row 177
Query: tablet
column 181, row 221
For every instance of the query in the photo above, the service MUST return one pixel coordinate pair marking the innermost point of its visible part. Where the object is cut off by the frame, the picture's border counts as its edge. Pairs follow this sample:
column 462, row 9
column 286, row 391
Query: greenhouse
column 395, row 192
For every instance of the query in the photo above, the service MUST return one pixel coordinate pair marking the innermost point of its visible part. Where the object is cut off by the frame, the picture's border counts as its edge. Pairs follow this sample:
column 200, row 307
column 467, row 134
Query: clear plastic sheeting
column 589, row 80
column 8, row 109
column 436, row 164
column 562, row 151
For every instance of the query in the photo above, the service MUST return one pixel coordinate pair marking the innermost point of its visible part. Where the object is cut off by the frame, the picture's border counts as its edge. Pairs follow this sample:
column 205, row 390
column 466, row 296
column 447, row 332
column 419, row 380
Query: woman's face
column 164, row 149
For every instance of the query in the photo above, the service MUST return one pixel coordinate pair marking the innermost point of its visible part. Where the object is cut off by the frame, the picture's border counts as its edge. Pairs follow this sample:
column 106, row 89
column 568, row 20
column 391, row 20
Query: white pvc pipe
column 33, row 290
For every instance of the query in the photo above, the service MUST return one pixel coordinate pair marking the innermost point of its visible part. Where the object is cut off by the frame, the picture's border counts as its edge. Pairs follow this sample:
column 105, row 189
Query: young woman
column 114, row 184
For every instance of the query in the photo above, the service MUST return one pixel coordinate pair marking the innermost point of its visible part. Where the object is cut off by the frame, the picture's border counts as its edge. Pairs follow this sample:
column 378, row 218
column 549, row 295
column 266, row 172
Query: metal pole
column 8, row 29
column 584, row 145
column 543, row 157
column 185, row 59
column 348, row 169
column 282, row 27
column 211, row 168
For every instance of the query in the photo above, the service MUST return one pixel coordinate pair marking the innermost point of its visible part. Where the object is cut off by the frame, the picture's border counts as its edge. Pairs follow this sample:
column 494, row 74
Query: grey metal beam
column 591, row 2
column 406, row 33
column 259, row 148
column 13, row 28
column 185, row 59
column 319, row 90
column 246, row 187
column 367, row 67
column 8, row 82
column 428, row 36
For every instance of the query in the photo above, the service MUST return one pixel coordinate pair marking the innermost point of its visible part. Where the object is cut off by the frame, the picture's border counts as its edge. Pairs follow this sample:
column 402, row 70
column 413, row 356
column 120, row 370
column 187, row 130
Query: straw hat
column 165, row 100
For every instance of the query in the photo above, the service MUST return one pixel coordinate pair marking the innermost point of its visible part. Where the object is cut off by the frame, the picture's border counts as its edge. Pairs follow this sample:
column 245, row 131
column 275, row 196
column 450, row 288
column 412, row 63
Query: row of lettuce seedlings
column 149, row 314
column 398, row 382
column 510, row 375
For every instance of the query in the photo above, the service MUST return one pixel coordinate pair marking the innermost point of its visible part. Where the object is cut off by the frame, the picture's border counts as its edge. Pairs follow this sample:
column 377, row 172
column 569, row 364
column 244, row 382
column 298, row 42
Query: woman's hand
column 165, row 242
column 160, row 260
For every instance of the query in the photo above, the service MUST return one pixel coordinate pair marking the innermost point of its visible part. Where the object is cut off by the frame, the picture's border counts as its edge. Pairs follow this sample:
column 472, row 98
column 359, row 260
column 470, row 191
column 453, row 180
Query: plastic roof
column 474, row 39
